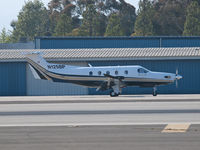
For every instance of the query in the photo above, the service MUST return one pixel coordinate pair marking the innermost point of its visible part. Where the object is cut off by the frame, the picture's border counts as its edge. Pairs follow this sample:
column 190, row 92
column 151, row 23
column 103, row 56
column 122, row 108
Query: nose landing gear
column 154, row 91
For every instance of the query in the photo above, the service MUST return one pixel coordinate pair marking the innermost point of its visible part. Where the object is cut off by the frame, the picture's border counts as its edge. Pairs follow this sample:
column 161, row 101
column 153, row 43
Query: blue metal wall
column 114, row 42
column 95, row 42
column 189, row 69
column 28, row 45
column 180, row 42
column 12, row 79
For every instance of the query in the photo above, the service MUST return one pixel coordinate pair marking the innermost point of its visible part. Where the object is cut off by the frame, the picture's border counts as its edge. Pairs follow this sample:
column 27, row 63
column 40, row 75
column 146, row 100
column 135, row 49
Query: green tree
column 192, row 23
column 32, row 21
column 95, row 15
column 121, row 21
column 93, row 22
column 144, row 22
column 54, row 8
column 170, row 17
column 113, row 27
column 62, row 9
column 127, row 18
column 64, row 25
column 4, row 36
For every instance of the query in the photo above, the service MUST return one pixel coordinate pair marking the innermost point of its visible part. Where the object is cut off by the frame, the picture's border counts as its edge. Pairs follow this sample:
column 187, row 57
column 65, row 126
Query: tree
column 127, row 18
column 64, row 25
column 113, row 27
column 192, row 23
column 144, row 22
column 62, row 9
column 170, row 16
column 32, row 21
column 93, row 22
column 73, row 17
column 121, row 21
column 4, row 36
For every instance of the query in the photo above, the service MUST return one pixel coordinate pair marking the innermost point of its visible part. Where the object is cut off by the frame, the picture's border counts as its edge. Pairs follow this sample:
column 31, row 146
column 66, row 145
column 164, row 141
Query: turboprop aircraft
column 103, row 78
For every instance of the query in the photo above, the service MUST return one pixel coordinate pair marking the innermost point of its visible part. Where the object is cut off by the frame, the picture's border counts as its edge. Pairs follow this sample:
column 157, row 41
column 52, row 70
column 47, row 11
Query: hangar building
column 155, row 53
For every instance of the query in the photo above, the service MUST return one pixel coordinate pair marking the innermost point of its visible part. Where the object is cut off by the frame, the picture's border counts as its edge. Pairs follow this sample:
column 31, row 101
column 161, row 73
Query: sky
column 9, row 10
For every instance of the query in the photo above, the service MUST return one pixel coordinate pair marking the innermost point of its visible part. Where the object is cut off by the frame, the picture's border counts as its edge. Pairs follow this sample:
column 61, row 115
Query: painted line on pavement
column 182, row 127
column 176, row 128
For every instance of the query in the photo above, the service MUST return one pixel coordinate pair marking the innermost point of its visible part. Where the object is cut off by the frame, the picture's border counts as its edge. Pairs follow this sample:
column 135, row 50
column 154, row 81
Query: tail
column 38, row 65
column 35, row 59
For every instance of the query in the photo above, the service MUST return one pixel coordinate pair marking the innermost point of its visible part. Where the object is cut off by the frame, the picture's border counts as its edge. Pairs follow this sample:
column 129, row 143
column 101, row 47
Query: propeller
column 178, row 77
column 176, row 71
column 176, row 83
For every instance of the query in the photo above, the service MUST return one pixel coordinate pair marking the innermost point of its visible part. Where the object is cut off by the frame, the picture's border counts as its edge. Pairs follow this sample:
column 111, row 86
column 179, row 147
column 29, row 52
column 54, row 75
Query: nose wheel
column 154, row 91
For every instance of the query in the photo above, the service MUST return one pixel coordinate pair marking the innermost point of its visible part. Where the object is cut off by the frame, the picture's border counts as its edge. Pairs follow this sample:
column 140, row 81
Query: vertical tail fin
column 38, row 65
column 36, row 58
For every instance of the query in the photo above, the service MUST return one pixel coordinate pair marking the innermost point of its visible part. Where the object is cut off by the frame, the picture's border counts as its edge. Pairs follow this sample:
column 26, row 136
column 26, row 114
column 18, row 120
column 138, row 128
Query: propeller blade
column 176, row 83
column 176, row 71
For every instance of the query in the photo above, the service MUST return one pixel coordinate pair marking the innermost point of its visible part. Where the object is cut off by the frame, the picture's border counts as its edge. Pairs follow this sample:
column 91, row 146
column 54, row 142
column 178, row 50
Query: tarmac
column 100, row 122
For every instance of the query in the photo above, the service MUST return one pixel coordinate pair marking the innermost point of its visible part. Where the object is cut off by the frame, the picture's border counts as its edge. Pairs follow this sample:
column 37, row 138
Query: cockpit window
column 142, row 70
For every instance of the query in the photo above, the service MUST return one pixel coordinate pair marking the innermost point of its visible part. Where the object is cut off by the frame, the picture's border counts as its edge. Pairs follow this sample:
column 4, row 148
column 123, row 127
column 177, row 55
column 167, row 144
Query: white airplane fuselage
column 102, row 78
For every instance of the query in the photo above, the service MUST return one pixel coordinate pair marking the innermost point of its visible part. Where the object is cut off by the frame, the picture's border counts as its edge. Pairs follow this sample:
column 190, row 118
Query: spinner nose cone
column 178, row 77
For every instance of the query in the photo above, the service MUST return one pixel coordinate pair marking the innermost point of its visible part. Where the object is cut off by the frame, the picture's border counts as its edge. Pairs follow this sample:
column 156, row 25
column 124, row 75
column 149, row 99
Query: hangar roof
column 106, row 54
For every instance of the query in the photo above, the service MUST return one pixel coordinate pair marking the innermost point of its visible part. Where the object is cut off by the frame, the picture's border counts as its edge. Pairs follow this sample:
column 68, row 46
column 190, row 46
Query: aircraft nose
column 178, row 77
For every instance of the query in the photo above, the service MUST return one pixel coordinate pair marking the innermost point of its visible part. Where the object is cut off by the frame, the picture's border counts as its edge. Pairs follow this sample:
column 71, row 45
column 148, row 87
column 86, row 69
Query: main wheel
column 155, row 93
column 113, row 94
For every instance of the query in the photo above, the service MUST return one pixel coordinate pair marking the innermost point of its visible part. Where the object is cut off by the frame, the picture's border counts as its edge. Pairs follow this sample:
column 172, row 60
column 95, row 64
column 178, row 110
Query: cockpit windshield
column 142, row 70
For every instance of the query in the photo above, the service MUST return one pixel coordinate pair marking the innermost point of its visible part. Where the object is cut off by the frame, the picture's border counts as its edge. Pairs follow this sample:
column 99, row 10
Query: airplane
column 112, row 78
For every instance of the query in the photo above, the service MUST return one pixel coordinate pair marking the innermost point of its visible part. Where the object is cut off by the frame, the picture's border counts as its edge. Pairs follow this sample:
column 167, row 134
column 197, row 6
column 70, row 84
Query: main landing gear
column 116, row 89
column 154, row 91
column 114, row 94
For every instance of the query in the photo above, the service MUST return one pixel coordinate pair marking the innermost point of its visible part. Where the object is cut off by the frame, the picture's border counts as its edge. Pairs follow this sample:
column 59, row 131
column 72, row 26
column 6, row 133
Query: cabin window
column 141, row 70
column 90, row 73
column 126, row 71
column 107, row 72
column 116, row 72
column 99, row 73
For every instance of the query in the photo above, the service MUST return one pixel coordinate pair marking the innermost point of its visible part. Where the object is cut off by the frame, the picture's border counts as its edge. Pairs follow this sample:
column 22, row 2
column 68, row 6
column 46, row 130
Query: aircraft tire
column 113, row 94
column 155, row 94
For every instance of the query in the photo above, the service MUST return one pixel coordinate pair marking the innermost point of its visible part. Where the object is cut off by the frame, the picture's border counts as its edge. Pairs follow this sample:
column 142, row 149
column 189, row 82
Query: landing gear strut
column 154, row 91
column 116, row 89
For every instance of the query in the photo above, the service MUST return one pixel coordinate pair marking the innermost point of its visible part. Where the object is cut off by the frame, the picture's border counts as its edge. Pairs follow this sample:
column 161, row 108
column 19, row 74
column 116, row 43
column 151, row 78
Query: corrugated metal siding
column 47, row 88
column 37, row 43
column 181, row 42
column 96, row 43
column 107, row 54
column 12, row 79
column 115, row 42
column 189, row 69
column 29, row 45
